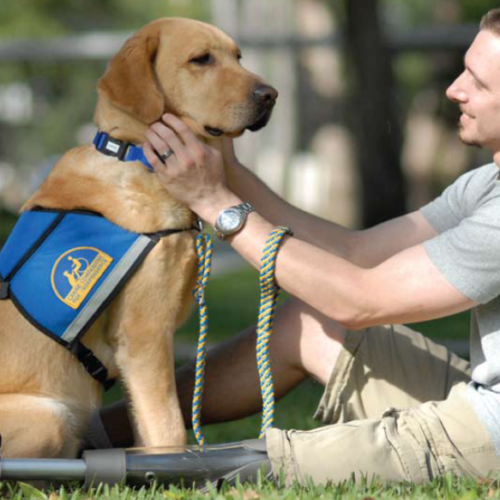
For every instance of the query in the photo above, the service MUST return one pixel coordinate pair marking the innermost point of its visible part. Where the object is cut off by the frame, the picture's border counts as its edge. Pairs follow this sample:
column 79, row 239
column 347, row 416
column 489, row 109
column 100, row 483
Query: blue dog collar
column 124, row 151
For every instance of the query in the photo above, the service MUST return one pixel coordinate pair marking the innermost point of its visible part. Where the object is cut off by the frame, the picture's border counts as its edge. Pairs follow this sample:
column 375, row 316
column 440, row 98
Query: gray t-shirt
column 467, row 252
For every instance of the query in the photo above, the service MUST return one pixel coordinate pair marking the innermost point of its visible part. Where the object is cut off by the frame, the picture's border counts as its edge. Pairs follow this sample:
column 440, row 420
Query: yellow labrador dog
column 184, row 67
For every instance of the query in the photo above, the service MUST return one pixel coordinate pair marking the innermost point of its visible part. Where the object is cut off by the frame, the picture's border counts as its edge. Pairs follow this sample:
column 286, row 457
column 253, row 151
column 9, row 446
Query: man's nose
column 456, row 92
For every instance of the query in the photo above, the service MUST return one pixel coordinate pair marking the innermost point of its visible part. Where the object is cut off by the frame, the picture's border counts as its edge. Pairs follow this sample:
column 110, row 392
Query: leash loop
column 269, row 292
column 268, row 298
column 204, row 251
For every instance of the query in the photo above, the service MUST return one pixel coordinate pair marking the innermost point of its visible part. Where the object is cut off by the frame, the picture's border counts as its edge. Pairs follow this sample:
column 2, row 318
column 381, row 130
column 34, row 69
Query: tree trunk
column 377, row 133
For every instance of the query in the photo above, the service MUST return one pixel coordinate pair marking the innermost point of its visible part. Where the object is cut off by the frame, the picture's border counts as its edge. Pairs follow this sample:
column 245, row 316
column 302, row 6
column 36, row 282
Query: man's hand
column 194, row 174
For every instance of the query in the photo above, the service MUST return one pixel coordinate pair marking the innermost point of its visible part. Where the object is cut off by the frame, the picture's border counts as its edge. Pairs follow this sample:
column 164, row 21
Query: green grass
column 233, row 304
column 454, row 327
column 443, row 488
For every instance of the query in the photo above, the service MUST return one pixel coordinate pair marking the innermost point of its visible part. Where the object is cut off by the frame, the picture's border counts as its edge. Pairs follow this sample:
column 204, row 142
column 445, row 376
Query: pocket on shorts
column 400, row 435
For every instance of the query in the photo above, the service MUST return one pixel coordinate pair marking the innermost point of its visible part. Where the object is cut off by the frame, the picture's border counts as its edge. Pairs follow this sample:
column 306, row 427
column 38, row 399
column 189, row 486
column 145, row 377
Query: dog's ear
column 130, row 81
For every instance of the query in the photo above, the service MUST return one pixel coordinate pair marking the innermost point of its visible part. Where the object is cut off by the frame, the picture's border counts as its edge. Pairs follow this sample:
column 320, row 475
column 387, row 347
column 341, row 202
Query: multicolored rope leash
column 204, row 251
column 268, row 297
column 269, row 292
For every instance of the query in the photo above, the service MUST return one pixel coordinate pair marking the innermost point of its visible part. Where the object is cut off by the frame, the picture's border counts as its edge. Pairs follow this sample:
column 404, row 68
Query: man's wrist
column 233, row 173
column 208, row 210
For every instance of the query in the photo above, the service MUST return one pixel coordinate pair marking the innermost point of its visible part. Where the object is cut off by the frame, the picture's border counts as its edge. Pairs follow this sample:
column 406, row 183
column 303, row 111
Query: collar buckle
column 114, row 147
column 124, row 151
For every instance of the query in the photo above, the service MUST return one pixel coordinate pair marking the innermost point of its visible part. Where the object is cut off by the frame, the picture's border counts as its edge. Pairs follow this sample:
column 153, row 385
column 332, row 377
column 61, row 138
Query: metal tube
column 29, row 469
column 175, row 465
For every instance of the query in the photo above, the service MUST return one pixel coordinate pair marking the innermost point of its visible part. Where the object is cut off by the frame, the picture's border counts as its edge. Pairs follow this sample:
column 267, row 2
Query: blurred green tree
column 380, row 98
column 63, row 91
column 48, row 18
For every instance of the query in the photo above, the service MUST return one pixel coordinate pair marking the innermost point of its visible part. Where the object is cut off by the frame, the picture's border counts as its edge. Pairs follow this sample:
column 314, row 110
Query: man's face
column 477, row 91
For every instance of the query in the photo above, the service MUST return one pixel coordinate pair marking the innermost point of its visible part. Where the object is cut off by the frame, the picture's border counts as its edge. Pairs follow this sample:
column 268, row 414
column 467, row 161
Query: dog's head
column 190, row 69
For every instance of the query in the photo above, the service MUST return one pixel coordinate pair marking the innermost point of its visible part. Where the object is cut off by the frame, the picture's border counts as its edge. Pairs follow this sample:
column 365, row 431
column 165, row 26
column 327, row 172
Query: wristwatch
column 232, row 219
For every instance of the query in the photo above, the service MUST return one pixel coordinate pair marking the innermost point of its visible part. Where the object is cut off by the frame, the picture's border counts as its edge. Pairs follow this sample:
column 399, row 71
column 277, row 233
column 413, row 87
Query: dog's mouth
column 261, row 121
column 257, row 124
column 215, row 132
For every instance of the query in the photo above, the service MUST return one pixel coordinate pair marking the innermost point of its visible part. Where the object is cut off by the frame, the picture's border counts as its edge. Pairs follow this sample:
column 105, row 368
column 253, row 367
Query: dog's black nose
column 264, row 94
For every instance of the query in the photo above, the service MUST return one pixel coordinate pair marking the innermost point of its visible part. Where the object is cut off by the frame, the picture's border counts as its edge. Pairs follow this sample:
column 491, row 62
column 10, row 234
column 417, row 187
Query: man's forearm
column 307, row 227
column 325, row 281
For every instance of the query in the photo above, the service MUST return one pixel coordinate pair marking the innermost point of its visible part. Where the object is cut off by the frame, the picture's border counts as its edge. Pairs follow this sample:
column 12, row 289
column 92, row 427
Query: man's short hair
column 491, row 21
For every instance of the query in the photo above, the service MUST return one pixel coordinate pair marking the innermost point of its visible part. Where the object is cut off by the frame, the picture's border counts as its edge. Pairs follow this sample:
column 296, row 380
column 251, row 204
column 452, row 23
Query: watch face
column 230, row 220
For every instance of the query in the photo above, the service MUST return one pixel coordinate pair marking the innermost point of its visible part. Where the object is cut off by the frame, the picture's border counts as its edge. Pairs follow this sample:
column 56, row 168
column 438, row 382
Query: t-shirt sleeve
column 468, row 254
column 467, row 248
column 447, row 210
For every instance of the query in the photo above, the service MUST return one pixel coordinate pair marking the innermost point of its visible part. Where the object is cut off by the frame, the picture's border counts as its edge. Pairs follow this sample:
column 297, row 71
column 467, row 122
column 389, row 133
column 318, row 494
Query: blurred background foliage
column 49, row 18
column 428, row 11
column 64, row 91
column 60, row 95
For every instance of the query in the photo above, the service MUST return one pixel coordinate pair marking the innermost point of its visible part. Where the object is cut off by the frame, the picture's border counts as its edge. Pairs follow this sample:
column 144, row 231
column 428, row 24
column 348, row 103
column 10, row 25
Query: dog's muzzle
column 262, row 100
column 265, row 98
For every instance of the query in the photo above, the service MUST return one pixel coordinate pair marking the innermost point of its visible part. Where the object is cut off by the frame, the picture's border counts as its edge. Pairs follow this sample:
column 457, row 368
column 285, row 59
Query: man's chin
column 467, row 139
column 470, row 142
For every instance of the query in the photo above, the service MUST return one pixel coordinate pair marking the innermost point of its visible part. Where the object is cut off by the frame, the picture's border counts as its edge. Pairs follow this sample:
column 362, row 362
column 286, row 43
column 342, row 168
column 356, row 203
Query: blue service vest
column 62, row 268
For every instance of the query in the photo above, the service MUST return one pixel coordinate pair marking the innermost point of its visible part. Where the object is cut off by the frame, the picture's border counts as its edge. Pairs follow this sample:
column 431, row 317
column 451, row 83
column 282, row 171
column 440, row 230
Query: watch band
column 246, row 207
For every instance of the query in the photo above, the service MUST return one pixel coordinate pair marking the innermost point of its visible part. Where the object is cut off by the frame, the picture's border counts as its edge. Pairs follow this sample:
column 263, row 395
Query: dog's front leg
column 147, row 370
column 144, row 319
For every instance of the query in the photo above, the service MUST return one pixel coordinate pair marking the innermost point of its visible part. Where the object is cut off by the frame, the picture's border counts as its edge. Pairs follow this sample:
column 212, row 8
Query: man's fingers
column 156, row 141
column 181, row 129
column 196, row 150
column 169, row 139
column 153, row 158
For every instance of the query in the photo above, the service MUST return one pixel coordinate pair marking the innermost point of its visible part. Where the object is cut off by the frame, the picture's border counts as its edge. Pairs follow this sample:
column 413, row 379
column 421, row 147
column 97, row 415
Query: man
column 401, row 407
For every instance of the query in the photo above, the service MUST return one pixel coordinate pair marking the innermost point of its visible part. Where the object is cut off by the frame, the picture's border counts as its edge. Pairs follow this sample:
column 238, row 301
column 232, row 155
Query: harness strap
column 92, row 364
column 167, row 232
column 4, row 290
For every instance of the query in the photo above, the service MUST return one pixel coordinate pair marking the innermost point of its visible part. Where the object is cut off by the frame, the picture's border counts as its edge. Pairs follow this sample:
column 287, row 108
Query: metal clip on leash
column 204, row 251
column 268, row 297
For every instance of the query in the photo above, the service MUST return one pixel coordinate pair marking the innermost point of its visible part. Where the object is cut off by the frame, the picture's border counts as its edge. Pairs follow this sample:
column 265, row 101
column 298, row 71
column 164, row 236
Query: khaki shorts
column 399, row 412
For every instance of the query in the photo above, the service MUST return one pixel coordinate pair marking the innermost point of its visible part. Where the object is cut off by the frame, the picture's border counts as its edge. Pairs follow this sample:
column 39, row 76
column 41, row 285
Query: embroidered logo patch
column 76, row 272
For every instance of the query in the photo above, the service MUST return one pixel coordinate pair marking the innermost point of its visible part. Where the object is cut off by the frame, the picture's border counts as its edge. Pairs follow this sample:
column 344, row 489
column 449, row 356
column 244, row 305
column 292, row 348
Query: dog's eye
column 202, row 60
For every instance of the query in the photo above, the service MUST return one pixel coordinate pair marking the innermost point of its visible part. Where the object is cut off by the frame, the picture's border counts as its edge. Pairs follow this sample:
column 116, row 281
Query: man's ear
column 130, row 81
